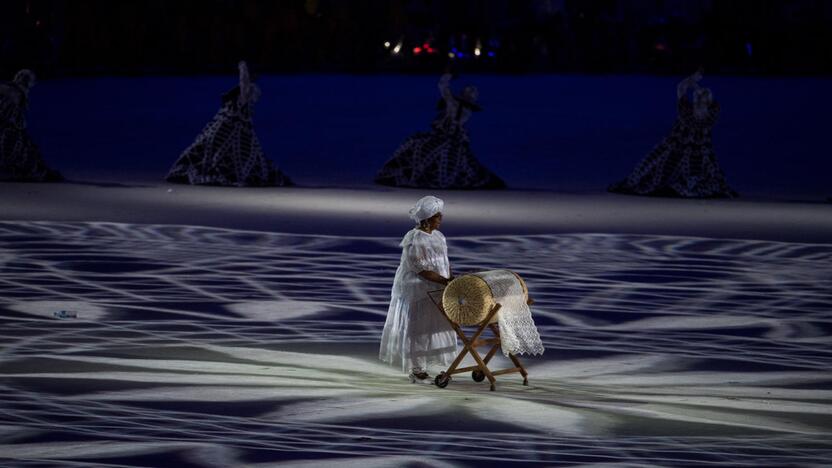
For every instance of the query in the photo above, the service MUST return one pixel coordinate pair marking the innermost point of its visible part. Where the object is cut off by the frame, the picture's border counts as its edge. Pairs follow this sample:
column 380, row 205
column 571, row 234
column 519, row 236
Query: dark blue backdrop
column 564, row 132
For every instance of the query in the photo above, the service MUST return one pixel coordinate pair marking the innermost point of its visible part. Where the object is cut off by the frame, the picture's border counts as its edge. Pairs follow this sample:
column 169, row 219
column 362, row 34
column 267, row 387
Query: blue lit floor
column 200, row 346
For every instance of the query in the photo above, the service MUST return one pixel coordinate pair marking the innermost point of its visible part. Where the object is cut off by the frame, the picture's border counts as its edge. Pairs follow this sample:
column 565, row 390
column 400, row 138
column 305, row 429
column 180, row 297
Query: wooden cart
column 481, row 371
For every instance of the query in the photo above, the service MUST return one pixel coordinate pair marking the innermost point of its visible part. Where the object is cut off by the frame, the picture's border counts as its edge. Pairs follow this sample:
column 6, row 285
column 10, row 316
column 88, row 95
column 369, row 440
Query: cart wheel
column 478, row 375
column 442, row 380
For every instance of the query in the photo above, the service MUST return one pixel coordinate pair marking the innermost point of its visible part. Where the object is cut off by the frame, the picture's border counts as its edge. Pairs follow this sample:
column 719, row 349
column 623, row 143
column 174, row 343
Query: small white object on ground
column 64, row 314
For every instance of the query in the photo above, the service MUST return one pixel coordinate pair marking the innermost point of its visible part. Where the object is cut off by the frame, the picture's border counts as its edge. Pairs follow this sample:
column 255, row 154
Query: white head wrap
column 25, row 78
column 426, row 207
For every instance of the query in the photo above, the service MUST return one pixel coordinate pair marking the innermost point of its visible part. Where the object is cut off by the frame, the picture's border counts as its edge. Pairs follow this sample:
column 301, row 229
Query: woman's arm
column 245, row 82
column 445, row 87
column 434, row 277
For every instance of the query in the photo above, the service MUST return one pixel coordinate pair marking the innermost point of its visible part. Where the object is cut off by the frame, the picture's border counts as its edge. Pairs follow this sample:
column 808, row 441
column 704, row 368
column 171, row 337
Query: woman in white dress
column 416, row 335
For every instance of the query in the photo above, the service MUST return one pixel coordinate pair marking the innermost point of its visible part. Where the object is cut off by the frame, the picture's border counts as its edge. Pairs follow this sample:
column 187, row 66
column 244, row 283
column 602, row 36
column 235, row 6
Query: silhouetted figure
column 20, row 158
column 684, row 163
column 227, row 151
column 441, row 158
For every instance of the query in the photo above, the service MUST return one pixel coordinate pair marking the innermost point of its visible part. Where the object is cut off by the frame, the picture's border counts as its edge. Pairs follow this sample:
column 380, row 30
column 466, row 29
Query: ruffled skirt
column 227, row 152
column 20, row 158
column 682, row 165
column 437, row 160
column 416, row 335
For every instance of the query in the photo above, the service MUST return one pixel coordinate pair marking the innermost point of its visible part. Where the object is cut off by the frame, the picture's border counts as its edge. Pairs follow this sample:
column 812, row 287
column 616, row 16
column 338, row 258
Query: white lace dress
column 416, row 335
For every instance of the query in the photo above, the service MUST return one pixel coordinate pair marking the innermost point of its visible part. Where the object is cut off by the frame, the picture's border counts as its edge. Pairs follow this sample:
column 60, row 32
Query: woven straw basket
column 468, row 299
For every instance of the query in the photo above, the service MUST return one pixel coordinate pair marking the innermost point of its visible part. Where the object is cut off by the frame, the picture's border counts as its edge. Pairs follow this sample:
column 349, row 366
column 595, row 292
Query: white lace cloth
column 518, row 334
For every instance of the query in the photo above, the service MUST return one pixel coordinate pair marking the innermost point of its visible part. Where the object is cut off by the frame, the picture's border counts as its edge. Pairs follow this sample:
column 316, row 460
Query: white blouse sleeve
column 424, row 255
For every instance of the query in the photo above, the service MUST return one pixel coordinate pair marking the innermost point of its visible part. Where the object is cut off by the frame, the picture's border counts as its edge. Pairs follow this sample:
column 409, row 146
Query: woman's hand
column 434, row 277
column 696, row 77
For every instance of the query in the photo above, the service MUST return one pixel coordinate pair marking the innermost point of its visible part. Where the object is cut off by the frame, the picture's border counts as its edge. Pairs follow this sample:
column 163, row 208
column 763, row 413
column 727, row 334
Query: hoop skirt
column 437, row 159
column 20, row 158
column 441, row 158
column 683, row 164
column 227, row 152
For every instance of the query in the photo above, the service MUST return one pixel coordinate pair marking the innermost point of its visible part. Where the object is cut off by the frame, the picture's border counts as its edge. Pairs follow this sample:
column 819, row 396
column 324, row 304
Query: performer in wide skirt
column 227, row 152
column 20, row 158
column 441, row 158
column 684, row 164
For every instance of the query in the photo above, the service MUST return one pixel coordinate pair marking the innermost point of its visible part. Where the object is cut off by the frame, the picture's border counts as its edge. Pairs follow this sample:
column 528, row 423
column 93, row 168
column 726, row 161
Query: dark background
column 89, row 37
column 574, row 93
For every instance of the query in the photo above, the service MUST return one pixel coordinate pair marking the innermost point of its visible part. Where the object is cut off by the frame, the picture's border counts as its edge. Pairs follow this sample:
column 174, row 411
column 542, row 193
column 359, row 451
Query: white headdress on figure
column 426, row 207
column 25, row 78
column 471, row 93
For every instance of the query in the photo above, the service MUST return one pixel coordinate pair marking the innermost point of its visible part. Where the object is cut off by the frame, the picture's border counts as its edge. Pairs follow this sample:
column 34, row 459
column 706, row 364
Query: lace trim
column 518, row 332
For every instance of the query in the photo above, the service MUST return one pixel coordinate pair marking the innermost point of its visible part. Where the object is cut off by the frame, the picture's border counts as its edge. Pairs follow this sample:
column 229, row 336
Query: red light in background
column 417, row 50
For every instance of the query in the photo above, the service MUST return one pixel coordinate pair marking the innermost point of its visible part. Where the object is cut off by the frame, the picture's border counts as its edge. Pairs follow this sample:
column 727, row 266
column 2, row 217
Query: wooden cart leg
column 513, row 358
column 483, row 367
column 444, row 377
column 466, row 347
column 496, row 331
column 520, row 366
column 491, row 353
column 457, row 329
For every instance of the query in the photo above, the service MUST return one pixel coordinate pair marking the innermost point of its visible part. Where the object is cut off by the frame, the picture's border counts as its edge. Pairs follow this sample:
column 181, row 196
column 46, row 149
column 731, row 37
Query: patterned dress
column 415, row 334
column 227, row 152
column 684, row 163
column 20, row 158
column 441, row 158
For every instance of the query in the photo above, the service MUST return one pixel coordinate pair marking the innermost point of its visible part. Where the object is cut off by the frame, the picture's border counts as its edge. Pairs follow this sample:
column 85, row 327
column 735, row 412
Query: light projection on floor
column 215, row 347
